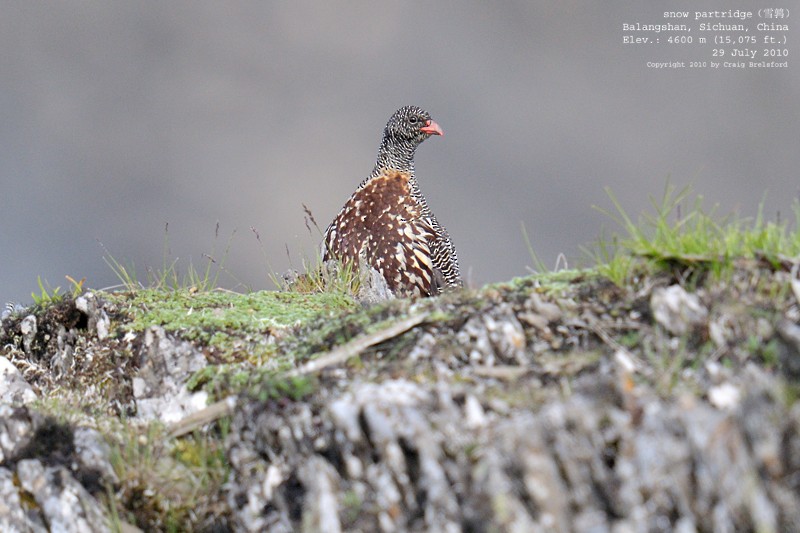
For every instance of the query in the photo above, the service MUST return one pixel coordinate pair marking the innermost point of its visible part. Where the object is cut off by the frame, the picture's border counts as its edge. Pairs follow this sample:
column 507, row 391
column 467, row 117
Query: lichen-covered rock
column 98, row 321
column 159, row 387
column 28, row 329
column 57, row 467
column 14, row 389
column 13, row 515
column 399, row 456
column 63, row 502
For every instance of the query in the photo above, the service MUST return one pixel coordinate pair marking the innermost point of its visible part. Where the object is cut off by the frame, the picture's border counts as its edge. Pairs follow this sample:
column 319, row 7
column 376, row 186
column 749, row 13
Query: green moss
column 351, row 506
column 545, row 283
column 770, row 353
column 179, row 310
column 234, row 325
column 220, row 381
column 630, row 339
column 790, row 393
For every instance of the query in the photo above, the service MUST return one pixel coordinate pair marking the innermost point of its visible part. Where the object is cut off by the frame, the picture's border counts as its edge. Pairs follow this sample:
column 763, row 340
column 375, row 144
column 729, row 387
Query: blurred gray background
column 120, row 117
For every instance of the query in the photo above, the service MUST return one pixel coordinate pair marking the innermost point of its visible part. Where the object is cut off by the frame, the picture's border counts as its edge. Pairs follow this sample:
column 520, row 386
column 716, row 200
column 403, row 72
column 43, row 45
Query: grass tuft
column 538, row 264
column 698, row 239
column 316, row 275
column 163, row 481
column 48, row 295
column 168, row 276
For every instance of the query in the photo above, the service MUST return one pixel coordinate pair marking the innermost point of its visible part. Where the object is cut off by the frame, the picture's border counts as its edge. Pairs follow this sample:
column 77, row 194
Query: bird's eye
column 413, row 120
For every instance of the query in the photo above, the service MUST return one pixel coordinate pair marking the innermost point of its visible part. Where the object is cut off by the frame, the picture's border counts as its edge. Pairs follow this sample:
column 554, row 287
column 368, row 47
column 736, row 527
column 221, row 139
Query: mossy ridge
column 324, row 333
column 228, row 322
column 196, row 312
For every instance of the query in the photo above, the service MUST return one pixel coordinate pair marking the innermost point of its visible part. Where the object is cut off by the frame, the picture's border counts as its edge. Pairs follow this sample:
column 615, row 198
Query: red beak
column 431, row 128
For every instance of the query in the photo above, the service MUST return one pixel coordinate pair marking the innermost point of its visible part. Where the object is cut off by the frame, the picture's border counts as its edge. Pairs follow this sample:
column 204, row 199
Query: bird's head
column 410, row 125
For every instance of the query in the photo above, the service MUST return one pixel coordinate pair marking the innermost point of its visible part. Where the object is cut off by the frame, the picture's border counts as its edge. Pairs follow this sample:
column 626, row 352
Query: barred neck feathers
column 400, row 157
column 407, row 128
column 395, row 155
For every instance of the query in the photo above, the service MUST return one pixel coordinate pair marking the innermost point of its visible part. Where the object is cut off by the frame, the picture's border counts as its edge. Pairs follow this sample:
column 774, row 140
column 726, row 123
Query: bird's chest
column 382, row 208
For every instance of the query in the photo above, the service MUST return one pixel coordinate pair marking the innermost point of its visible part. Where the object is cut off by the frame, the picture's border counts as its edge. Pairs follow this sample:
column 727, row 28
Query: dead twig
column 358, row 345
column 505, row 372
column 200, row 418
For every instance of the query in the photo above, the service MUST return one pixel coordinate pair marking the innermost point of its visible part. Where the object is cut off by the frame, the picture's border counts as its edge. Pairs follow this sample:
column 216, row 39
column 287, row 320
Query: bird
column 386, row 223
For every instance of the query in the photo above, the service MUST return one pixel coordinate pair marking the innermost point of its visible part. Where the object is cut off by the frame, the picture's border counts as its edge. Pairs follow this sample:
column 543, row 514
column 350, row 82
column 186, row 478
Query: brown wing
column 403, row 256
column 384, row 220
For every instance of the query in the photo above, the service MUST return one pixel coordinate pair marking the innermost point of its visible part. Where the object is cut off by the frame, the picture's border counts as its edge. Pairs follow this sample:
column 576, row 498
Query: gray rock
column 28, row 329
column 677, row 310
column 64, row 504
column 46, row 457
column 16, row 430
column 94, row 453
column 98, row 321
column 372, row 286
column 12, row 514
column 160, row 385
column 13, row 387
column 589, row 462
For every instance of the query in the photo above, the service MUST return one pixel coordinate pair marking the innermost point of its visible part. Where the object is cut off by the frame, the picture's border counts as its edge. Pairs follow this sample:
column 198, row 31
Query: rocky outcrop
column 545, row 404
column 401, row 456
